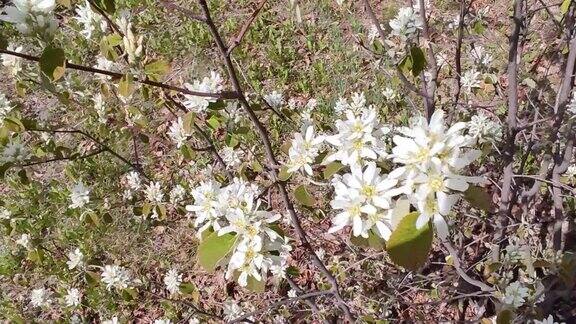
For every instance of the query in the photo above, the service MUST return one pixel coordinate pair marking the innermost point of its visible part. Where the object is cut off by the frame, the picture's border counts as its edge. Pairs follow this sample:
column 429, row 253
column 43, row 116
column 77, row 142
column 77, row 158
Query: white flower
column 80, row 196
column 247, row 260
column 359, row 137
column 72, row 298
column 177, row 132
column 232, row 310
column 406, row 23
column 275, row 99
column 14, row 151
column 24, row 241
column 75, row 259
column 5, row 107
column 292, row 293
column 205, row 205
column 515, row 294
column 12, row 63
column 40, row 297
column 115, row 277
column 484, row 129
column 470, row 80
column 231, row 157
column 99, row 106
column 212, row 84
column 4, row 213
column 365, row 200
column 31, row 16
column 172, row 280
column 480, row 56
column 547, row 320
column 571, row 106
column 133, row 180
column 571, row 172
column 373, row 34
column 114, row 320
column 89, row 19
column 177, row 194
column 194, row 320
column 153, row 192
column 103, row 63
column 390, row 94
column 432, row 156
column 303, row 151
column 162, row 321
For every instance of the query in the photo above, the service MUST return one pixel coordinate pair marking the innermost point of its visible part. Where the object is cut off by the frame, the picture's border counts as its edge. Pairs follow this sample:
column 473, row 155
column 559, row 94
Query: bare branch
column 282, row 302
column 219, row 95
column 238, row 39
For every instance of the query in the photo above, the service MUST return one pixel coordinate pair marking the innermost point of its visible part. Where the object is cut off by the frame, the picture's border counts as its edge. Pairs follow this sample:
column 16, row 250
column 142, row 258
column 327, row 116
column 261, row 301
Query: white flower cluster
column 12, row 63
column 304, row 150
column 116, row 277
column 79, row 195
column 211, row 84
column 178, row 133
column 236, row 209
column 5, row 107
column 432, row 156
column 484, row 129
column 429, row 159
column 14, row 151
column 89, row 19
column 406, row 23
column 515, row 294
column 275, row 99
column 32, row 17
column 470, row 80
column 359, row 136
column 173, row 280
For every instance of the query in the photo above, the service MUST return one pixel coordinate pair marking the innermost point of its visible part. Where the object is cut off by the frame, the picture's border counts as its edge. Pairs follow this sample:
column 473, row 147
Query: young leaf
column 213, row 249
column 418, row 60
column 284, row 175
column 155, row 70
column 254, row 285
column 303, row 196
column 477, row 197
column 53, row 62
column 409, row 247
column 331, row 169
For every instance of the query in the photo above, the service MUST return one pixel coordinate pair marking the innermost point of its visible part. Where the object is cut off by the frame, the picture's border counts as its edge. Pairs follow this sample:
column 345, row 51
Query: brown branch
column 238, row 39
column 458, row 55
column 110, row 22
column 282, row 302
column 98, row 142
column 186, row 12
column 272, row 160
column 219, row 95
column 382, row 35
column 431, row 85
column 461, row 272
column 65, row 158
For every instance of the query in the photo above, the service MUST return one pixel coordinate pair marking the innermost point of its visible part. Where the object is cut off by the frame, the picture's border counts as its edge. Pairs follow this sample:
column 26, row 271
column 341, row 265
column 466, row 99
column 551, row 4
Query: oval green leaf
column 409, row 247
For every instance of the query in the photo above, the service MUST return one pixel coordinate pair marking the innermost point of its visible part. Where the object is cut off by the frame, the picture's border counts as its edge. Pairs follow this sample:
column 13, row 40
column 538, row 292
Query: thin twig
column 219, row 95
column 238, row 39
column 279, row 303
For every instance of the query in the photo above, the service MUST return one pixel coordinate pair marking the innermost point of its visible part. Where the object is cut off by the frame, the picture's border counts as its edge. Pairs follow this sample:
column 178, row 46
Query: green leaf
column 373, row 241
column 187, row 152
column 303, row 196
column 255, row 285
column 108, row 5
column 92, row 278
column 126, row 86
column 409, row 247
column 565, row 6
column 3, row 168
column 188, row 122
column 284, row 175
column 36, row 255
column 114, row 39
column 504, row 317
column 213, row 122
column 215, row 248
column 418, row 60
column 155, row 70
column 477, row 197
column 53, row 62
column 331, row 169
column 14, row 124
